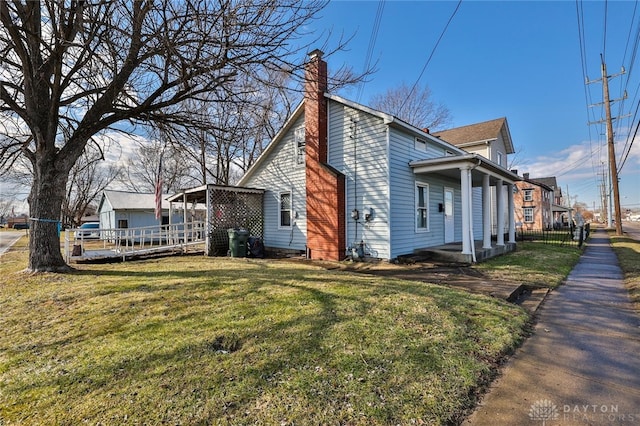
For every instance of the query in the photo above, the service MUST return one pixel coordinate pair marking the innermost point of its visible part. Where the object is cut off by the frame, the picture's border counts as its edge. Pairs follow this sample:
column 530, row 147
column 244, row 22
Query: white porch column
column 465, row 188
column 486, row 213
column 500, row 212
column 510, row 209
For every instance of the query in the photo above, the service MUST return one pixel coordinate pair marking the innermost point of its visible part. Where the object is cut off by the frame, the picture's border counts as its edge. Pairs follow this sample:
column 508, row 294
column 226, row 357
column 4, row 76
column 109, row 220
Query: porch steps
column 453, row 252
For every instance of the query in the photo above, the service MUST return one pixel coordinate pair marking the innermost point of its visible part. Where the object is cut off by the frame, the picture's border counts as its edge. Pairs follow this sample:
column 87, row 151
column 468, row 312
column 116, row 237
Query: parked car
column 89, row 230
column 20, row 226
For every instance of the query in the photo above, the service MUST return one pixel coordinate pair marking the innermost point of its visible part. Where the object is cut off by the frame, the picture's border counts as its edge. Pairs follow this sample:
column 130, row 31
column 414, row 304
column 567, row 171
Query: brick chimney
column 325, row 185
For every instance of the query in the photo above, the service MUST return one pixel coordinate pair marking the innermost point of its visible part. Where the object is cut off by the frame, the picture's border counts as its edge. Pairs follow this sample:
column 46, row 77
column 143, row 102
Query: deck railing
column 81, row 243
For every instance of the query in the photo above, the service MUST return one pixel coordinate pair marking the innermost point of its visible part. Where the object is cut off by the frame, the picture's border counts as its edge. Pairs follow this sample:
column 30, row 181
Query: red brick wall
column 325, row 185
column 540, row 204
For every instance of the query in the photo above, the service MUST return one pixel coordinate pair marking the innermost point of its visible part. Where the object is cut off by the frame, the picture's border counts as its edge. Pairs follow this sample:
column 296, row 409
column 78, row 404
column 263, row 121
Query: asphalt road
column 8, row 238
column 632, row 229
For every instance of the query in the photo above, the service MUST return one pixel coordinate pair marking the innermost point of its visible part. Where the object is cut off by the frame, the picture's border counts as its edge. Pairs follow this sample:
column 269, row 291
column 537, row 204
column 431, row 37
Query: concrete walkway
column 582, row 364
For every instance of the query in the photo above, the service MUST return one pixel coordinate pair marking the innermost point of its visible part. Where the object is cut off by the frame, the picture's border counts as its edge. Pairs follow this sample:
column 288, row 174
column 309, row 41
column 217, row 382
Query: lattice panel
column 231, row 209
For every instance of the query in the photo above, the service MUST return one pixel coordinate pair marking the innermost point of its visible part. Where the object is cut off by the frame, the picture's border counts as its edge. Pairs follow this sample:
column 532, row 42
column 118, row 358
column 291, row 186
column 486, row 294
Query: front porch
column 473, row 170
column 452, row 252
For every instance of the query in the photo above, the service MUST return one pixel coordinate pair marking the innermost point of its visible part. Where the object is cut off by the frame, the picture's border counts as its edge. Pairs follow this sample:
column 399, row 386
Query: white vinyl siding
column 476, row 211
column 358, row 149
column 404, row 236
column 280, row 173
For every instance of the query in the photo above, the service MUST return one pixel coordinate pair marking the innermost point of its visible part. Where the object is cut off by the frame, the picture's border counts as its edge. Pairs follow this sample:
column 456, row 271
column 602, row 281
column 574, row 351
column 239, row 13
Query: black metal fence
column 573, row 236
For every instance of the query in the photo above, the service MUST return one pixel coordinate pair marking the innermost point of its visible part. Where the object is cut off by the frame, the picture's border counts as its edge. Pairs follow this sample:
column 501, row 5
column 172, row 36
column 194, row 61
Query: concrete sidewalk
column 582, row 364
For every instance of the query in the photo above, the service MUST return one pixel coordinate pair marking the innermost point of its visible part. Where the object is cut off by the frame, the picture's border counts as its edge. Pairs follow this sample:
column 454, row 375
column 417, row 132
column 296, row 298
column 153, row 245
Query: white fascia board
column 472, row 161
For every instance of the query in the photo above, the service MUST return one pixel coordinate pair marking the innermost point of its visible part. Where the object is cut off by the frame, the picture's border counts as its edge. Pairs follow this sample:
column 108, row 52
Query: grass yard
column 628, row 252
column 193, row 340
column 533, row 263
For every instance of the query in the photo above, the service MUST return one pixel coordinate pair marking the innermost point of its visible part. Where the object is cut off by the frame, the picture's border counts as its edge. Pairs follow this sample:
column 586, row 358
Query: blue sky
column 517, row 59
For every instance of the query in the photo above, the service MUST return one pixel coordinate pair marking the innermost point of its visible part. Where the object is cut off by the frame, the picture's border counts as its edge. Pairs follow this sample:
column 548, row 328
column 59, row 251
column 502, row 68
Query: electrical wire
column 604, row 32
column 433, row 51
column 372, row 43
column 583, row 63
column 629, row 73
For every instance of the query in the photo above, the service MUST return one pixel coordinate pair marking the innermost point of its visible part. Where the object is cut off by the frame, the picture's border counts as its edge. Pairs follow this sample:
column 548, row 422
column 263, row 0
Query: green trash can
column 238, row 242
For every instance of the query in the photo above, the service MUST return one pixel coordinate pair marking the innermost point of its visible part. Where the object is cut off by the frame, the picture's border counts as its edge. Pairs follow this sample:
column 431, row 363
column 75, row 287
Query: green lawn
column 533, row 263
column 628, row 252
column 193, row 340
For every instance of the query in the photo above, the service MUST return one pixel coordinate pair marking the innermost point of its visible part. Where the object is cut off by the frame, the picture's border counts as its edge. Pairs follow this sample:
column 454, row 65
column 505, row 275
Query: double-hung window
column 422, row 207
column 528, row 214
column 285, row 209
column 528, row 195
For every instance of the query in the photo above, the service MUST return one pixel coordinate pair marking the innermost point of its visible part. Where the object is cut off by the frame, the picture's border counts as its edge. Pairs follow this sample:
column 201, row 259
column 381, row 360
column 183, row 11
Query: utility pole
column 612, row 149
column 613, row 169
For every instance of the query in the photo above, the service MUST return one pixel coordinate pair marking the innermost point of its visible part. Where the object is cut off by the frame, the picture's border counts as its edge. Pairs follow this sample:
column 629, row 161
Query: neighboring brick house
column 561, row 213
column 342, row 178
column 533, row 201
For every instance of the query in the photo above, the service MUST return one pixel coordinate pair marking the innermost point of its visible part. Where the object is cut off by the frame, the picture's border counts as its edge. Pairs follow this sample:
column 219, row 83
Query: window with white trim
column 528, row 214
column 499, row 158
column 421, row 144
column 285, row 210
column 299, row 144
column 528, row 195
column 422, row 207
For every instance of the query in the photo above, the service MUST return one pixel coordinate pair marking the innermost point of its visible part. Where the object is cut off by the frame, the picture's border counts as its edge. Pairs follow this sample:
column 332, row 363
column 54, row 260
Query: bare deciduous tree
column 416, row 107
column 89, row 176
column 72, row 70
column 141, row 170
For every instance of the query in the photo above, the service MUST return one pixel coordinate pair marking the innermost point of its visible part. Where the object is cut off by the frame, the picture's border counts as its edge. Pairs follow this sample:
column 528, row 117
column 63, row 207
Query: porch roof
column 450, row 166
column 199, row 193
column 559, row 208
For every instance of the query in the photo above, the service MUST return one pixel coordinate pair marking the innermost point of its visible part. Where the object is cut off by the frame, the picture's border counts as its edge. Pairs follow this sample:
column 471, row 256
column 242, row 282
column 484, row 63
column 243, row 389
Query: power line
column 631, row 63
column 372, row 43
column 583, row 63
column 604, row 32
column 430, row 56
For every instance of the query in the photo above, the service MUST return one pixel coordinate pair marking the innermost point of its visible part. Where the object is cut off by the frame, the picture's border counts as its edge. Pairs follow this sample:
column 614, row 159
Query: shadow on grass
column 312, row 345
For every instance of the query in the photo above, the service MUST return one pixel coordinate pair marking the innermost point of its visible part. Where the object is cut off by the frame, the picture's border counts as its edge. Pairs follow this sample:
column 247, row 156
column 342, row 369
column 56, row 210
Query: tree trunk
column 45, row 203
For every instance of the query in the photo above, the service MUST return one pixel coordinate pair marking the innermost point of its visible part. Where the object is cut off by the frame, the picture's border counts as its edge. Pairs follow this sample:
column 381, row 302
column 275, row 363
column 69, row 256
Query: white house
column 341, row 178
column 492, row 140
column 121, row 209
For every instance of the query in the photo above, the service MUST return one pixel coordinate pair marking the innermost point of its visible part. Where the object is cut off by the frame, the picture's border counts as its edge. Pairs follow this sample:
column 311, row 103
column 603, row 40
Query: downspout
column 355, row 176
